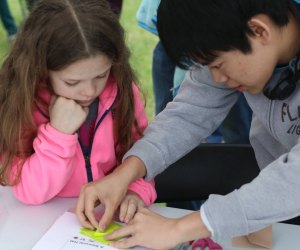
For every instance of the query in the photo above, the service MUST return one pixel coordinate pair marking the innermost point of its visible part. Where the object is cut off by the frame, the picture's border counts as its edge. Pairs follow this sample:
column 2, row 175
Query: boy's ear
column 260, row 27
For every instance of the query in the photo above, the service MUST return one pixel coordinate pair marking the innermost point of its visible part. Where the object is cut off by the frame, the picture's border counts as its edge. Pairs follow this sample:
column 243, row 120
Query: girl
column 69, row 108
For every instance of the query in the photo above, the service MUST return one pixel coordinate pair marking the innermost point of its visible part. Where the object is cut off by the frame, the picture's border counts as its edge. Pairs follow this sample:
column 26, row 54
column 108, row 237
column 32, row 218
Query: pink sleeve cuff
column 145, row 190
column 48, row 129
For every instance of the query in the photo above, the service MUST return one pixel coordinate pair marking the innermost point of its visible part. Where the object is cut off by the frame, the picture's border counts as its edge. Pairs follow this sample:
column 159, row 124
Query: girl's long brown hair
column 56, row 34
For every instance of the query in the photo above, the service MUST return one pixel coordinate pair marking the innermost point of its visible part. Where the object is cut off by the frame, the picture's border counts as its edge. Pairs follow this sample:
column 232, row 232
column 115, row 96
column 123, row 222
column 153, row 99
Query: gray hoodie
column 194, row 114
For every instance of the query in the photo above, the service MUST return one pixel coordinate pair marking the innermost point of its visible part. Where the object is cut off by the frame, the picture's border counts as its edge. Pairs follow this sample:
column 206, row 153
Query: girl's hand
column 66, row 115
column 129, row 206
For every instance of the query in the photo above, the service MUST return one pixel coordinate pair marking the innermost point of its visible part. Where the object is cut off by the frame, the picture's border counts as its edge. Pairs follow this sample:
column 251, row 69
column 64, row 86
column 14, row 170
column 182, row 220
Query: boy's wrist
column 131, row 169
column 191, row 227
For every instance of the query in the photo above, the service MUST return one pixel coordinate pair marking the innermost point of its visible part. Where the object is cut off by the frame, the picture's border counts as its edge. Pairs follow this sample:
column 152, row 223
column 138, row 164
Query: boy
column 249, row 47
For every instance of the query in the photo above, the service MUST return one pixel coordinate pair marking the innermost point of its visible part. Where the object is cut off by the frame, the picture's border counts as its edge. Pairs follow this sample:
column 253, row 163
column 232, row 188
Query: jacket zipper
column 87, row 156
column 88, row 168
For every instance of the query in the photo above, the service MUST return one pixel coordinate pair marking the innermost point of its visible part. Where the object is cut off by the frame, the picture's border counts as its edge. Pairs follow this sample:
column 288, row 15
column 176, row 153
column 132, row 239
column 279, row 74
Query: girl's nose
column 89, row 89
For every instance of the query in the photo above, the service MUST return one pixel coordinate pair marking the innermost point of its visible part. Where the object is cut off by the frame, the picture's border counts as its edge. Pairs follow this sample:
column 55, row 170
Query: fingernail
column 101, row 228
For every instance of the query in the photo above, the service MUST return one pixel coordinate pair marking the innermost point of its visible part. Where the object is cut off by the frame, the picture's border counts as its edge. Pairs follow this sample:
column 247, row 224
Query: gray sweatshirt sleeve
column 271, row 197
column 194, row 114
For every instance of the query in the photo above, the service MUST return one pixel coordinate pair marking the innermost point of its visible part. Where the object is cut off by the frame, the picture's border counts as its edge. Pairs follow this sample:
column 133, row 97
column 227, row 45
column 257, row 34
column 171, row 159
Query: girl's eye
column 101, row 76
column 71, row 84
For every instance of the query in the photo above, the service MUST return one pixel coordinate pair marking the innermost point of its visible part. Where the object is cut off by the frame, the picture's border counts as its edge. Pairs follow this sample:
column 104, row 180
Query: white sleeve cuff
column 205, row 220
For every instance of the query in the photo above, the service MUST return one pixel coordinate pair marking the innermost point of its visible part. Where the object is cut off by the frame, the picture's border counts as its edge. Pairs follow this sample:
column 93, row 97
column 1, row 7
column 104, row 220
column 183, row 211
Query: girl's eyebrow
column 105, row 72
column 77, row 80
column 71, row 80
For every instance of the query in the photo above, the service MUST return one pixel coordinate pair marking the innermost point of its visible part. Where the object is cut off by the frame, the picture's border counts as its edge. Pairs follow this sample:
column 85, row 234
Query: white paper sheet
column 64, row 234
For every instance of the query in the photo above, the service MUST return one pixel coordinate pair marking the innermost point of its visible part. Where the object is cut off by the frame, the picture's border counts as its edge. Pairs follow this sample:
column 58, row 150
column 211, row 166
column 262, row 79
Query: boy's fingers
column 81, row 215
column 126, row 243
column 120, row 233
column 89, row 212
column 107, row 217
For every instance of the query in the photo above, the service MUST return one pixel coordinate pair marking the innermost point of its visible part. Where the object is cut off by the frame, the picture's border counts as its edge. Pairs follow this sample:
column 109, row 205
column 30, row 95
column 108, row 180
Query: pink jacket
column 57, row 166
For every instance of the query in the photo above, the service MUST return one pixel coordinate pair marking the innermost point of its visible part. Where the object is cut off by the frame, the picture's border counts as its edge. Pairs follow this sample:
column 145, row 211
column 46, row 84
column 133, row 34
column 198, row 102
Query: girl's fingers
column 52, row 101
column 131, row 210
column 123, row 210
column 141, row 205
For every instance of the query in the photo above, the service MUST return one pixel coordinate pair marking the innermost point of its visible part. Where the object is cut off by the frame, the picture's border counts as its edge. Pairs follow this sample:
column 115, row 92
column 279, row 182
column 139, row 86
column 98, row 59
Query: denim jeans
column 234, row 129
column 236, row 126
column 7, row 18
column 116, row 6
column 163, row 69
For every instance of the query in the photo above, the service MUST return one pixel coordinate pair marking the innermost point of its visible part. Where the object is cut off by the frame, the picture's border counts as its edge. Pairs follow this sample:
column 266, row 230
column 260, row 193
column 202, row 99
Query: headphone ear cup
column 283, row 88
column 270, row 90
column 279, row 91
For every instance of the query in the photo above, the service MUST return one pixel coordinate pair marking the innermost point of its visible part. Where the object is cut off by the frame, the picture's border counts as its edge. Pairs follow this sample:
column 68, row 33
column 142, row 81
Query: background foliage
column 140, row 42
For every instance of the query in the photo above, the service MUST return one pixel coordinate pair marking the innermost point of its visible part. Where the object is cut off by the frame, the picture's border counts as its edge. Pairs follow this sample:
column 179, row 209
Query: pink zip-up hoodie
column 57, row 166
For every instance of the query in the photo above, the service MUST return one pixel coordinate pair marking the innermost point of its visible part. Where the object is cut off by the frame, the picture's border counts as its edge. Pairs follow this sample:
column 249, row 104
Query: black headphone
column 286, row 85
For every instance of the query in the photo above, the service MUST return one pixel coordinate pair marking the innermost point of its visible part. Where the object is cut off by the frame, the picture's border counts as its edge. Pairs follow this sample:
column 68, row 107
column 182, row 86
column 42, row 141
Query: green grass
column 139, row 41
column 141, row 44
column 16, row 10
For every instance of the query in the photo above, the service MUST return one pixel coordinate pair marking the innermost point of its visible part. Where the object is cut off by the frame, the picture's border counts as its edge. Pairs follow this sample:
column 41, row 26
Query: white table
column 21, row 226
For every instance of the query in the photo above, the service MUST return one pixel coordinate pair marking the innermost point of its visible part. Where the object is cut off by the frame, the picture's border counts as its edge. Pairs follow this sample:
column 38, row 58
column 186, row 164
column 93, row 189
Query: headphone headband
column 286, row 85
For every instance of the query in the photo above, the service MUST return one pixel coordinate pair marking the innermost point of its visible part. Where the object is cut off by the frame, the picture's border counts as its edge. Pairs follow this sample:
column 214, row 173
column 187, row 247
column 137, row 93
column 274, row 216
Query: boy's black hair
column 198, row 29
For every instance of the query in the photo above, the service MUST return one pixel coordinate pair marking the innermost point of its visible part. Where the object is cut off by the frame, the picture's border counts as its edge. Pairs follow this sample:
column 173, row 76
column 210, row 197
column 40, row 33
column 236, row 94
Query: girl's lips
column 85, row 103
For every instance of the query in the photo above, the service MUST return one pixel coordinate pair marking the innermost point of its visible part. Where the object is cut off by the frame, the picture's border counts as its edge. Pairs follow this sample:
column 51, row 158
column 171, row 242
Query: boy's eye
column 217, row 66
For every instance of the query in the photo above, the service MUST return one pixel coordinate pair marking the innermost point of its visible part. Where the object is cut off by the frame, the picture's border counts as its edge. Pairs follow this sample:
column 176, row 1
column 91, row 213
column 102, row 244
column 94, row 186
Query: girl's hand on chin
column 66, row 115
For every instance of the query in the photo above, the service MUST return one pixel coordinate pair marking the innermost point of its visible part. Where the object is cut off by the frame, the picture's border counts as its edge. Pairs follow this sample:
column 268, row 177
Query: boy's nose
column 218, row 76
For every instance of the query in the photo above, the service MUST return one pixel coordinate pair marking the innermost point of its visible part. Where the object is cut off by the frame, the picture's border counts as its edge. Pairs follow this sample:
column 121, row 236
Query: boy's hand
column 129, row 206
column 109, row 191
column 154, row 231
column 66, row 115
column 147, row 229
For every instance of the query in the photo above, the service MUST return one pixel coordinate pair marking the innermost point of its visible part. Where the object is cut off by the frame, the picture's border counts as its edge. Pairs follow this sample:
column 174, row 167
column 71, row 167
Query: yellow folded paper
column 99, row 236
column 259, row 239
